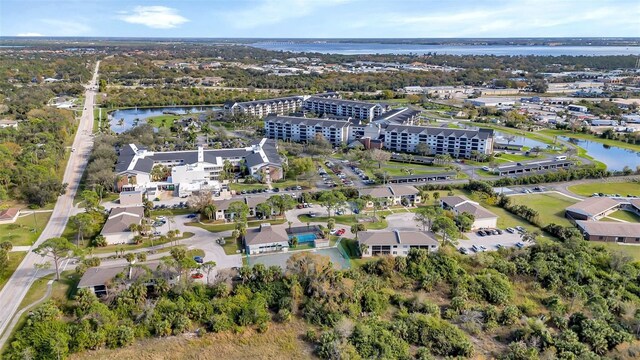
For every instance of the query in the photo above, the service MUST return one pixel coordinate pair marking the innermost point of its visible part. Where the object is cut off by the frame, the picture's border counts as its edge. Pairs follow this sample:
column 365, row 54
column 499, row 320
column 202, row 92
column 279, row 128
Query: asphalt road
column 15, row 289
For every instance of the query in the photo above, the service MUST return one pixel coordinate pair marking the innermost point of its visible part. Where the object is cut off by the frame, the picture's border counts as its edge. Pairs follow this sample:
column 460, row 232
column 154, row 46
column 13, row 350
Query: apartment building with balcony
column 300, row 129
column 344, row 108
column 458, row 143
column 262, row 108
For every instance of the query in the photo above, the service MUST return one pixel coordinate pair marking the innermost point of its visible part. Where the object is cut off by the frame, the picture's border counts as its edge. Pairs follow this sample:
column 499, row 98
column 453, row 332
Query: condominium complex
column 344, row 108
column 262, row 108
column 193, row 169
column 301, row 129
column 455, row 142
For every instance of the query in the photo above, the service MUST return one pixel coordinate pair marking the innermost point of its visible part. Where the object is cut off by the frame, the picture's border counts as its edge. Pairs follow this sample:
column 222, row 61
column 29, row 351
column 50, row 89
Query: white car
column 485, row 168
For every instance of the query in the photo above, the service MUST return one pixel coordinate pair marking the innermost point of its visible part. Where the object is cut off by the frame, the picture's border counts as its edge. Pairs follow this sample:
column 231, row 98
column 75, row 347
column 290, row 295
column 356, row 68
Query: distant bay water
column 345, row 48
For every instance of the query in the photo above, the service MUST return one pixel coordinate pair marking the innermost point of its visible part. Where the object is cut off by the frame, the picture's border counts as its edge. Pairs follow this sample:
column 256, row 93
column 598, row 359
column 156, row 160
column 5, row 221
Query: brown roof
column 9, row 214
column 121, row 218
column 593, row 206
column 403, row 190
column 379, row 192
column 396, row 238
column 606, row 228
column 453, row 201
column 266, row 234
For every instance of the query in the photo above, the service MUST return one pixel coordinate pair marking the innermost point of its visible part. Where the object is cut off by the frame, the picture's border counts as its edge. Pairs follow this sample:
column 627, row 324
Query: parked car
column 341, row 232
column 520, row 229
column 463, row 250
column 520, row 245
column 475, row 248
column 499, row 231
column 198, row 259
column 483, row 248
column 481, row 233
column 197, row 276
column 511, row 230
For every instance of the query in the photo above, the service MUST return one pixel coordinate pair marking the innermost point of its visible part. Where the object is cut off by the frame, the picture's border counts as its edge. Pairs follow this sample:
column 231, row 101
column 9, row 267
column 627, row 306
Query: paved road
column 15, row 289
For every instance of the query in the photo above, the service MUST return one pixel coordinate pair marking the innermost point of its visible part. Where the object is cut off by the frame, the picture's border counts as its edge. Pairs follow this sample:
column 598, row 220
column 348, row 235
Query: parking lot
column 490, row 242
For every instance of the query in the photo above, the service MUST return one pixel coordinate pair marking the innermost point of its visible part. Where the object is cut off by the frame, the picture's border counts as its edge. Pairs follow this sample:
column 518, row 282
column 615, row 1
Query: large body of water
column 615, row 158
column 376, row 48
column 130, row 115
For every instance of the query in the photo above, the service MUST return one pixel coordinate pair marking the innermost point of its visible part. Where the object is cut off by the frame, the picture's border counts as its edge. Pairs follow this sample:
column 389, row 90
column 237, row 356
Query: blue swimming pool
column 304, row 237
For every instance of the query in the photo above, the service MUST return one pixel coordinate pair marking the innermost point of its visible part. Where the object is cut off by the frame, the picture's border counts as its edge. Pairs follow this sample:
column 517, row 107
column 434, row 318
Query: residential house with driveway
column 483, row 218
column 395, row 243
column 116, row 229
column 265, row 239
column 101, row 279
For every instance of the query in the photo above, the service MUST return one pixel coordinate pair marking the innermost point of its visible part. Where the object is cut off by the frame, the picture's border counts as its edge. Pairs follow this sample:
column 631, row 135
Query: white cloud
column 29, row 34
column 156, row 17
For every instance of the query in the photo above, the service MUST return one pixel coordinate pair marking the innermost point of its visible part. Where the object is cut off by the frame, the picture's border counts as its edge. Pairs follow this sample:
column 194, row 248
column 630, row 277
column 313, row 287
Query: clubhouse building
column 588, row 214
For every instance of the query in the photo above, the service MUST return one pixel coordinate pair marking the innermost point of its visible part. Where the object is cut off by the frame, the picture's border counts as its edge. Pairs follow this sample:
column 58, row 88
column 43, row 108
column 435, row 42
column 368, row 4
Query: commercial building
column 266, row 238
column 491, row 101
column 610, row 231
column 587, row 216
column 533, row 167
column 345, row 108
column 194, row 169
column 116, row 229
column 262, row 108
column 593, row 208
column 395, row 243
column 483, row 218
column 455, row 142
column 300, row 129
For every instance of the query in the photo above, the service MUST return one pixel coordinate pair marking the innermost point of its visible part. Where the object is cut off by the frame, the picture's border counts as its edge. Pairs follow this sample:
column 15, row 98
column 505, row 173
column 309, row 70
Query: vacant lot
column 281, row 341
column 623, row 188
column 22, row 231
column 14, row 260
column 550, row 206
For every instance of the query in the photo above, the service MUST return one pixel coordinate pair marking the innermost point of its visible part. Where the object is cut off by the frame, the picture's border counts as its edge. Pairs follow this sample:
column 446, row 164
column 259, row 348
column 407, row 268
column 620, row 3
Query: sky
column 321, row 18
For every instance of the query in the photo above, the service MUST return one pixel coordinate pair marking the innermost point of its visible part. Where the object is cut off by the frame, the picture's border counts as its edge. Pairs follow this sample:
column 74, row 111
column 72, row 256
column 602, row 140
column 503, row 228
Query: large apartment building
column 262, row 108
column 344, row 108
column 455, row 142
column 301, row 129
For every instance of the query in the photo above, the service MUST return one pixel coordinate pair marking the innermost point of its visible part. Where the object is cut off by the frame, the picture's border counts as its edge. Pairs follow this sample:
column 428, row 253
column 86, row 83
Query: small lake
column 614, row 157
column 130, row 115
column 501, row 137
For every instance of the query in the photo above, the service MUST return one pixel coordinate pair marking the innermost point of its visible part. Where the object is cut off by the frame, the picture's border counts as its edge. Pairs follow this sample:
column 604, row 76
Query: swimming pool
column 304, row 237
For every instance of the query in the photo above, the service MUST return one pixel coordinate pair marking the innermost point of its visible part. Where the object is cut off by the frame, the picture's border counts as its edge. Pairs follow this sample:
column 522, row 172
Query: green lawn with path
column 622, row 188
column 21, row 232
column 627, row 216
column 15, row 257
column 550, row 206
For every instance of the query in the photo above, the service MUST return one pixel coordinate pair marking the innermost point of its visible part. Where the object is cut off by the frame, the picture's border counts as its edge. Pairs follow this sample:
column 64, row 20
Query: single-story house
column 131, row 198
column 395, row 243
column 460, row 204
column 98, row 279
column 593, row 208
column 116, row 229
column 9, row 215
column 610, row 231
column 266, row 238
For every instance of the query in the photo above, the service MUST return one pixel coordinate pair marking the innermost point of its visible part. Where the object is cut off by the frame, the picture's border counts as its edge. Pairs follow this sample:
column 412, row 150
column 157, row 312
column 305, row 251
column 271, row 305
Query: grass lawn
column 231, row 226
column 162, row 120
column 128, row 247
column 610, row 142
column 170, row 212
column 232, row 245
column 550, row 206
column 347, row 220
column 291, row 183
column 622, row 188
column 247, row 187
column 20, row 233
column 516, row 157
column 15, row 257
column 629, row 250
column 626, row 216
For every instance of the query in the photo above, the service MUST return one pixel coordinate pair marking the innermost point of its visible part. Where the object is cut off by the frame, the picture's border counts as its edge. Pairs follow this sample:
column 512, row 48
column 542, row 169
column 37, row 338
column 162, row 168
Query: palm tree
column 208, row 267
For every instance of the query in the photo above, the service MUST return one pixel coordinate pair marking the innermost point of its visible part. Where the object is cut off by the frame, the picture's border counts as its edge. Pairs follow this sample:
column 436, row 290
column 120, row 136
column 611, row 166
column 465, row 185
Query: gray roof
column 462, row 205
column 121, row 218
column 362, row 104
column 307, row 121
column 593, row 206
column 398, row 116
column 453, row 201
column 438, row 131
column 266, row 234
column 606, row 228
column 268, row 101
column 379, row 192
column 396, row 238
column 101, row 275
column 403, row 190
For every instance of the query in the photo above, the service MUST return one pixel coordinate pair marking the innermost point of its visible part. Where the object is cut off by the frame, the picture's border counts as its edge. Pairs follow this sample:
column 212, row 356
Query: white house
column 459, row 204
column 395, row 243
column 266, row 239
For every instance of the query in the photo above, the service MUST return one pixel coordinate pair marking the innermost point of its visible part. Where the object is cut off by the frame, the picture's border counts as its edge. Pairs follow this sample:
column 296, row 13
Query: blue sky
column 321, row 18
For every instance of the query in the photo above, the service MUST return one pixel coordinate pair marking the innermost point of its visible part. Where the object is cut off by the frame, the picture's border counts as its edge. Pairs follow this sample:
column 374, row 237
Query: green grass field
column 20, row 233
column 515, row 157
column 622, row 188
column 550, row 206
column 247, row 187
column 625, row 215
column 15, row 257
column 162, row 120
column 628, row 250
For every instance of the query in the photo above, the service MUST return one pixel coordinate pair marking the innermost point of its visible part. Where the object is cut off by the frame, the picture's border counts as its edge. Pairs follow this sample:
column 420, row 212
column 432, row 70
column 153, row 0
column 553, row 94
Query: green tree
column 91, row 200
column 58, row 249
column 447, row 229
column 238, row 210
column 81, row 223
column 356, row 228
column 264, row 209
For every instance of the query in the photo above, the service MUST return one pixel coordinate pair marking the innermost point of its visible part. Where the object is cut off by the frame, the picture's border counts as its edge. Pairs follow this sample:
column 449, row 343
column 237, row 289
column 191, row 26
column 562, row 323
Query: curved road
column 16, row 288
